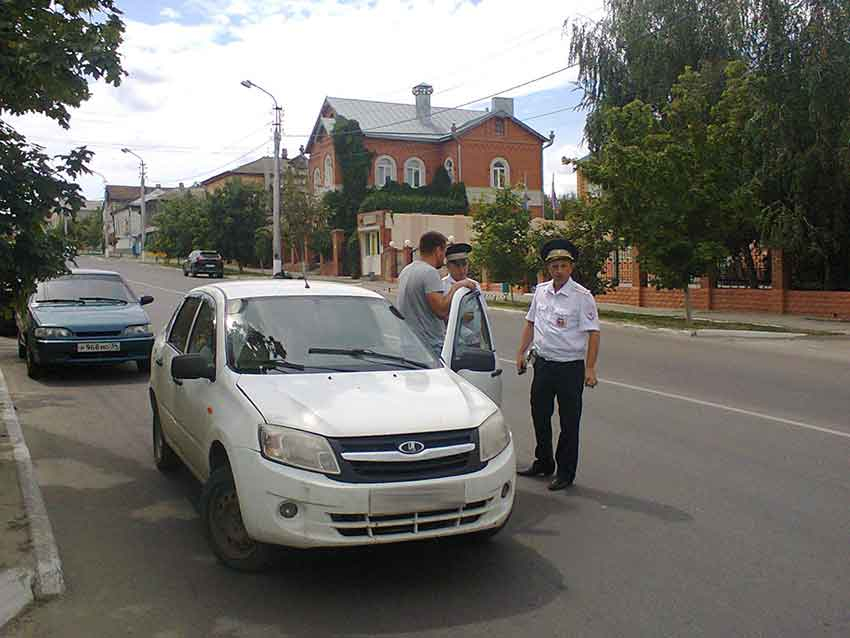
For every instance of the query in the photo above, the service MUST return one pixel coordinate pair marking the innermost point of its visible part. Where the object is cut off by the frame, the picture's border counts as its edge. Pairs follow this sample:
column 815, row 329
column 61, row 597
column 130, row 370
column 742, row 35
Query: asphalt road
column 713, row 499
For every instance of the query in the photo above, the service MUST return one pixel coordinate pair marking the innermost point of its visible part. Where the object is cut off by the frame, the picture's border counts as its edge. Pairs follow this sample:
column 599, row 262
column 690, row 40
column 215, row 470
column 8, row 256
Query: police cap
column 457, row 252
column 559, row 249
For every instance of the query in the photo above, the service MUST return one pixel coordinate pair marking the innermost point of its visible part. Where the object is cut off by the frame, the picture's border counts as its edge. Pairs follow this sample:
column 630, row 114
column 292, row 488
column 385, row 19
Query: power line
column 218, row 168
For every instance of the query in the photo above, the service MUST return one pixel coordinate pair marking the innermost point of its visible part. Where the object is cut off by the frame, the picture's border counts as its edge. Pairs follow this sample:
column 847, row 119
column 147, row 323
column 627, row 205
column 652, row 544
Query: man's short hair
column 431, row 241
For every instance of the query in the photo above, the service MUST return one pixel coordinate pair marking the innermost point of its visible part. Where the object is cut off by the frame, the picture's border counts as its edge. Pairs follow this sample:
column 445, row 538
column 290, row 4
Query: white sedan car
column 314, row 417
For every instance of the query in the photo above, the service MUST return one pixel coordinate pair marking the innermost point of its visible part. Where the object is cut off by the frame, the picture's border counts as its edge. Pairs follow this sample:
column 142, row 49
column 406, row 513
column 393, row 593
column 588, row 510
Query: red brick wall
column 431, row 154
column 830, row 304
column 746, row 300
column 321, row 148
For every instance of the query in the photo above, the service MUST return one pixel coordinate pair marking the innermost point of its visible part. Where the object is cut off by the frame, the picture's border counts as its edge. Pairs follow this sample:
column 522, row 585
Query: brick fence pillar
column 337, row 242
column 780, row 280
column 408, row 254
column 707, row 283
column 638, row 278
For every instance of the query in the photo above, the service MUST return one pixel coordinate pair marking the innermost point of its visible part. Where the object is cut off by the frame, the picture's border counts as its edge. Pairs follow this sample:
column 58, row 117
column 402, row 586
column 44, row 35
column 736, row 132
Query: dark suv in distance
column 203, row 262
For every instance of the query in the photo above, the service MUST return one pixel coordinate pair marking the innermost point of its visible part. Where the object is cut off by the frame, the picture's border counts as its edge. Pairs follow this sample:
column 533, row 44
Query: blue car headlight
column 51, row 333
column 135, row 331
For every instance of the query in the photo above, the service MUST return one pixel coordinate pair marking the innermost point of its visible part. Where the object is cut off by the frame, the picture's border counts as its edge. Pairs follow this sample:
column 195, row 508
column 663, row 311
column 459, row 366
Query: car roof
column 252, row 288
column 93, row 271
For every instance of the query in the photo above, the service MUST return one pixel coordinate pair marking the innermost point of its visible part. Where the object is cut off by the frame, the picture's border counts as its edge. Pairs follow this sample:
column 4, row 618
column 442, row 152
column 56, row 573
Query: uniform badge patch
column 560, row 322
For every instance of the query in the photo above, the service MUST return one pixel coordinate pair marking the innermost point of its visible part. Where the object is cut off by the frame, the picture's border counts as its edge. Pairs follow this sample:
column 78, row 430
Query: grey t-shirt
column 415, row 281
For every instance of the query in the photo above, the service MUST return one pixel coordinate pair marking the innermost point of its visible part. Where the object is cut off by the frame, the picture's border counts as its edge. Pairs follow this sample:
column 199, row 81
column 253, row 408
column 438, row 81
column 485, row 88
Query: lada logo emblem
column 411, row 447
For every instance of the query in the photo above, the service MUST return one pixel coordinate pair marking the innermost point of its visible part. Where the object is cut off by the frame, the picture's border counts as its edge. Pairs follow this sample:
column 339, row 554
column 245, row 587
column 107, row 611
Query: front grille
column 364, row 525
column 369, row 471
column 108, row 333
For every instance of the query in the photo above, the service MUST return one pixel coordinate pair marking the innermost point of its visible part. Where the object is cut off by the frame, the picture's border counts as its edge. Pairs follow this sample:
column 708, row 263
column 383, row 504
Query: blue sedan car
column 87, row 317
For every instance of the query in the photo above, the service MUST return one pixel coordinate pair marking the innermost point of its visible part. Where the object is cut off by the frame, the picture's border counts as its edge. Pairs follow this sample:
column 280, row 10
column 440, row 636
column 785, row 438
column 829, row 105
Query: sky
column 182, row 108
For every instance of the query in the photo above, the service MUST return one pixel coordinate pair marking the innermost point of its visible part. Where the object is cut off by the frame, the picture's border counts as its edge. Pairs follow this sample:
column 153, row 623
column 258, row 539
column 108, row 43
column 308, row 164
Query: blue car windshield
column 87, row 288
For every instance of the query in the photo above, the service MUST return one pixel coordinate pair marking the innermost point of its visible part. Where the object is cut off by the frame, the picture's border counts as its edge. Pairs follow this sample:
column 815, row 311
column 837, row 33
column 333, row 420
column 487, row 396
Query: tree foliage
column 48, row 52
column 500, row 235
column 234, row 212
column 87, row 233
column 440, row 196
column 302, row 214
column 182, row 226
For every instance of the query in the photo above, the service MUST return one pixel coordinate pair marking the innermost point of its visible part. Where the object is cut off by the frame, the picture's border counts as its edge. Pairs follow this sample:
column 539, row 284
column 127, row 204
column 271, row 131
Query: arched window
column 449, row 165
column 414, row 172
column 317, row 180
column 500, row 173
column 384, row 170
column 329, row 171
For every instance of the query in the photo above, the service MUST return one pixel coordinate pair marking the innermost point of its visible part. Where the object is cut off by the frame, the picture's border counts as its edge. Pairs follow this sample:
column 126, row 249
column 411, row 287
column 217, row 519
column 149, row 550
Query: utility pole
column 142, row 215
column 277, row 264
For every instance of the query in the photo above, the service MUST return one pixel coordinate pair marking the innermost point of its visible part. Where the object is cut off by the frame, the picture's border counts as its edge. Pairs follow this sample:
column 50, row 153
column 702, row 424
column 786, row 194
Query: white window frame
column 494, row 183
column 415, row 163
column 329, row 171
column 386, row 160
column 449, row 165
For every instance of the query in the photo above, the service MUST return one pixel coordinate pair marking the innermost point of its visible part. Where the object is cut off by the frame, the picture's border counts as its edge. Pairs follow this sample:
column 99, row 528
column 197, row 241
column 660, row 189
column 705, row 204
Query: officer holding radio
column 563, row 324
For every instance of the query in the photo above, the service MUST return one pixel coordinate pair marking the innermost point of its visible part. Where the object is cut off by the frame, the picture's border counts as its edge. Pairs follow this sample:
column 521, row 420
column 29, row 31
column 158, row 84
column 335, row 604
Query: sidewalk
column 29, row 560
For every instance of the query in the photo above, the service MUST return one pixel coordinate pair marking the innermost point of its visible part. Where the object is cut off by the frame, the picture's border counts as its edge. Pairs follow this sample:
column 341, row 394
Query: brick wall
column 829, row 304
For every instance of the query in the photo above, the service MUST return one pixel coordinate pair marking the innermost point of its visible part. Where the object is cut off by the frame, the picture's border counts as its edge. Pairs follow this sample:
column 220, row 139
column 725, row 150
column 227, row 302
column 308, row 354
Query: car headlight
column 493, row 436
column 298, row 449
column 51, row 333
column 144, row 329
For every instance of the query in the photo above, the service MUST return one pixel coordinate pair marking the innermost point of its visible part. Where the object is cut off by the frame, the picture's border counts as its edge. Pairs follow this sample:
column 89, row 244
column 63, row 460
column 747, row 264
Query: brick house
column 486, row 150
column 260, row 172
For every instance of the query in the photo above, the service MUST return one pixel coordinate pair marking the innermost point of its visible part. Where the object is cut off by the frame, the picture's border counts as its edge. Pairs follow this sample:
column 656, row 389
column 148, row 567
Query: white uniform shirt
column 562, row 320
column 472, row 331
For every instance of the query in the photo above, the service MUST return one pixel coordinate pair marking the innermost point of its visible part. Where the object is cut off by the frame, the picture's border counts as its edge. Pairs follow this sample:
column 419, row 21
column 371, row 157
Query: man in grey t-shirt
column 420, row 292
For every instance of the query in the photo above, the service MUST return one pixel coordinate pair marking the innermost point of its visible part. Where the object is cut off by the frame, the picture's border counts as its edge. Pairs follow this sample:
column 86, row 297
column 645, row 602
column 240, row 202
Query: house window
column 414, row 172
column 449, row 165
column 500, row 126
column 329, row 171
column 500, row 173
column 317, row 180
column 384, row 170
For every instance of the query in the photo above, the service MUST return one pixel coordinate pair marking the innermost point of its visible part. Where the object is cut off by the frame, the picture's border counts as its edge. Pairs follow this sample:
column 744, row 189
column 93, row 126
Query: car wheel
column 34, row 370
column 222, row 519
column 22, row 349
column 165, row 458
column 185, row 274
column 144, row 365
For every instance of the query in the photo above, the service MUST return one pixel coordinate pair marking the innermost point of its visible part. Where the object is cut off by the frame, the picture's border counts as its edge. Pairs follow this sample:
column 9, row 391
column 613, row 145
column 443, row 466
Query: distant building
column 259, row 171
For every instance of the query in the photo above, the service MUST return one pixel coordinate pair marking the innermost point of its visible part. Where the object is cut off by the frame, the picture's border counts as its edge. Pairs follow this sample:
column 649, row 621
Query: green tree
column 87, row 233
column 234, row 214
column 182, row 226
column 500, row 234
column 263, row 240
column 48, row 53
column 302, row 215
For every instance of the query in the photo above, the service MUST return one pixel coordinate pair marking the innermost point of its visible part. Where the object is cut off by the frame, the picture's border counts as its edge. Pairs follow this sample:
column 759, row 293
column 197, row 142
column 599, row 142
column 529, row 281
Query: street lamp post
column 276, row 264
column 143, row 218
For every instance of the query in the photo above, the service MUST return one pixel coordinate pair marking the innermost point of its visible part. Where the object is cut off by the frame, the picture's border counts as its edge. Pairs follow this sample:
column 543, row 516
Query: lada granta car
column 314, row 417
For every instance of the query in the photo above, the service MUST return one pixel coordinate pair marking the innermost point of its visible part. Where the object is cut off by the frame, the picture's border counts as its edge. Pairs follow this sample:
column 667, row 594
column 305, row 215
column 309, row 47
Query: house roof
column 391, row 120
column 165, row 194
column 261, row 166
column 116, row 193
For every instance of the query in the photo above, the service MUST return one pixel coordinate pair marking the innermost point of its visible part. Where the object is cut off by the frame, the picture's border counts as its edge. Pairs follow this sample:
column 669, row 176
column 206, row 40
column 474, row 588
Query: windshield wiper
column 112, row 299
column 57, row 301
column 281, row 364
column 363, row 352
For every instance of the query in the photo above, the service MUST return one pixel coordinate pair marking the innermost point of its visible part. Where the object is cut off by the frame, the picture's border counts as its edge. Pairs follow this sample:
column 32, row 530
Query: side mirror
column 192, row 366
column 145, row 300
column 475, row 360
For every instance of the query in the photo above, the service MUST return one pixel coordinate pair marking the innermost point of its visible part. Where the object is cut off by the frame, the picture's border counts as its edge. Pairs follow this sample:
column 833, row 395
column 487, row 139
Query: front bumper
column 48, row 352
column 334, row 514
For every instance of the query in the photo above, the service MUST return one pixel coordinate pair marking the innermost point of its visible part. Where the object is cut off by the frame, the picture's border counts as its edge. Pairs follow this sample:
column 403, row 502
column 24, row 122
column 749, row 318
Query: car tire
column 225, row 531
column 34, row 370
column 143, row 365
column 164, row 457
column 185, row 274
column 22, row 349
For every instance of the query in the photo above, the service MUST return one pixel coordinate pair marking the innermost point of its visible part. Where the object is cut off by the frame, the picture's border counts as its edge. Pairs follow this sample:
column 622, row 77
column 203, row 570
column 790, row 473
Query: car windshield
column 208, row 255
column 304, row 334
column 84, row 288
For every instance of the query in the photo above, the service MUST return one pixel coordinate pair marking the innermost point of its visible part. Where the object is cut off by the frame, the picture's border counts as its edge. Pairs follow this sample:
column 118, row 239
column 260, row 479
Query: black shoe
column 537, row 469
column 559, row 483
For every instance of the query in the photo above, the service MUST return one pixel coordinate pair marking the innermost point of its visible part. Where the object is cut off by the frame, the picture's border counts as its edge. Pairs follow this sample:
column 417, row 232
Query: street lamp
column 276, row 261
column 144, row 220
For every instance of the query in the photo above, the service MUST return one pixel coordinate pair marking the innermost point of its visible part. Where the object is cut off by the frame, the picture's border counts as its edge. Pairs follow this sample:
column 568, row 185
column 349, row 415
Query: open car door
column 469, row 348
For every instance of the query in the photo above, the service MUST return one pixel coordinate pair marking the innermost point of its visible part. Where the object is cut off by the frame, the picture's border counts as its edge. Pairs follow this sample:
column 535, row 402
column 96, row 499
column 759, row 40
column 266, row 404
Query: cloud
column 170, row 14
column 186, row 113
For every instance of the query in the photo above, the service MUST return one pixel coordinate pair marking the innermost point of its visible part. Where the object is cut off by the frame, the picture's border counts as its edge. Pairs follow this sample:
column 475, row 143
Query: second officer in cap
column 563, row 324
column 457, row 263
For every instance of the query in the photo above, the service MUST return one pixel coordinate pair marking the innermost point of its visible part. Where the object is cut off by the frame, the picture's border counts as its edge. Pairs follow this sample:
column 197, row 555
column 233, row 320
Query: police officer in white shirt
column 563, row 324
column 457, row 263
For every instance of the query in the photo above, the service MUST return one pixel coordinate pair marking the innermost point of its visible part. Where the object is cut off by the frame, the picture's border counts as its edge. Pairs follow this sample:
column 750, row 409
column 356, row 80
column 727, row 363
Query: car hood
column 91, row 317
column 368, row 403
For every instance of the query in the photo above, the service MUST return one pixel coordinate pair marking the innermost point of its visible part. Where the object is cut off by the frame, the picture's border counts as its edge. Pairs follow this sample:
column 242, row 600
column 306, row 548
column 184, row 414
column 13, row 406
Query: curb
column 748, row 334
column 15, row 592
column 48, row 581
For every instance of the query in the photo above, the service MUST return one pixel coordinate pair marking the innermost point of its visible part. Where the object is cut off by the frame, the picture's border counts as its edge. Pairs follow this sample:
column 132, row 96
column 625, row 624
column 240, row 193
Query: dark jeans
column 565, row 381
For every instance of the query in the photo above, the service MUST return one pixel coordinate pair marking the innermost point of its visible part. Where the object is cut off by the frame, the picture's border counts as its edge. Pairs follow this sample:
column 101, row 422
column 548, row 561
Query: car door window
column 472, row 331
column 182, row 324
column 202, row 340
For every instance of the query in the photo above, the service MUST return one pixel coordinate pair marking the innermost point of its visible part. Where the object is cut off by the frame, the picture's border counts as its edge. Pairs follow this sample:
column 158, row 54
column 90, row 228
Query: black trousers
column 564, row 380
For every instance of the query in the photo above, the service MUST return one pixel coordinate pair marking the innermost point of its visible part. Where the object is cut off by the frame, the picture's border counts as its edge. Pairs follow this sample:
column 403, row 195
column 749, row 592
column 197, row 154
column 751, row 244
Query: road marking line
column 144, row 283
column 720, row 406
